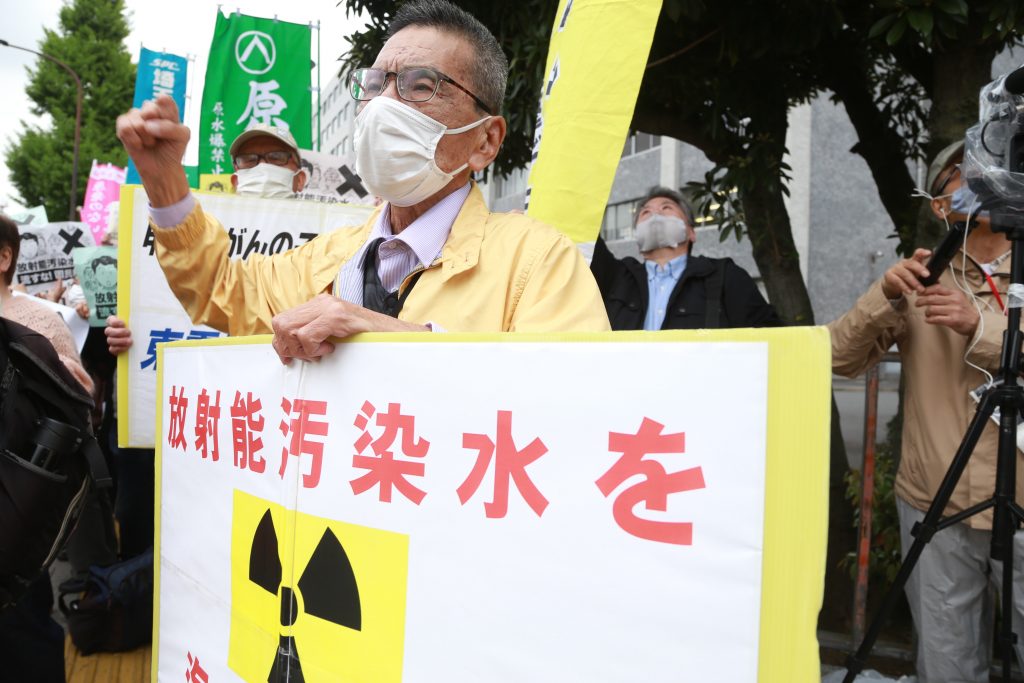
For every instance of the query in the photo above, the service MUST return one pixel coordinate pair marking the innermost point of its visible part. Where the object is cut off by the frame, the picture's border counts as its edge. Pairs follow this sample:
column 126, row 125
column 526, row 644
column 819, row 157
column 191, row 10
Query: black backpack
column 48, row 457
column 111, row 608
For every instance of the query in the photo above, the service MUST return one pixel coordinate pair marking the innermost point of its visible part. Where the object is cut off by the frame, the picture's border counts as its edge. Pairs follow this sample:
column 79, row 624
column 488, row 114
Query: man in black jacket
column 673, row 289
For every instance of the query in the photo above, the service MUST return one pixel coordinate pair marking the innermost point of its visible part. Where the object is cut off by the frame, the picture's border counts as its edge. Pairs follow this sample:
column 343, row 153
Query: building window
column 637, row 142
column 618, row 221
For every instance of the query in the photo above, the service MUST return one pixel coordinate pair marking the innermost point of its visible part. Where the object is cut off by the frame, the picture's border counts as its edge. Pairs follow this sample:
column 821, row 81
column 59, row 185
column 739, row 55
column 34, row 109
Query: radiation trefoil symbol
column 328, row 585
column 335, row 612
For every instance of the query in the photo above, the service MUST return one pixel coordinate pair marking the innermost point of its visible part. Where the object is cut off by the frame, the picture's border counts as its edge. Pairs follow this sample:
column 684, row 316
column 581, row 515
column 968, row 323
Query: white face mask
column 661, row 231
column 395, row 146
column 266, row 180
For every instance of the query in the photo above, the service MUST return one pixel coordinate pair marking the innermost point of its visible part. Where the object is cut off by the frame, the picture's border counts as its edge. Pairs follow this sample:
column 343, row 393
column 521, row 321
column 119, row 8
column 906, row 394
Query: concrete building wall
column 847, row 227
column 337, row 118
column 635, row 176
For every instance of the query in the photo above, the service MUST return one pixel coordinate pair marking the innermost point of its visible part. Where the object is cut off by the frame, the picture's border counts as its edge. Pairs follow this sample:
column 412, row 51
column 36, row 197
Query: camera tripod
column 1006, row 395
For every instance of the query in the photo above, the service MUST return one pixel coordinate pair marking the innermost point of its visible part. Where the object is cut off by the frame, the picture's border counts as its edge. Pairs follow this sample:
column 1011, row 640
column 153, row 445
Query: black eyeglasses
column 949, row 176
column 250, row 159
column 417, row 84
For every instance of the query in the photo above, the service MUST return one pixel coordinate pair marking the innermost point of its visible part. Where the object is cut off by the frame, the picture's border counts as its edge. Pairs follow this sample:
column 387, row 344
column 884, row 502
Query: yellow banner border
column 796, row 488
column 124, row 289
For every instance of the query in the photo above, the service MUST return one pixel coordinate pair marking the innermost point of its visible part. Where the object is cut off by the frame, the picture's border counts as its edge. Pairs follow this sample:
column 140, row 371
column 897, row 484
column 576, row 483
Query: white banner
column 149, row 307
column 475, row 509
column 34, row 216
column 45, row 254
column 331, row 178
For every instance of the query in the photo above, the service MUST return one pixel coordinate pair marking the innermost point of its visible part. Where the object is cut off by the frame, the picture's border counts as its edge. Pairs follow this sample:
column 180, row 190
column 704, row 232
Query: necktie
column 375, row 297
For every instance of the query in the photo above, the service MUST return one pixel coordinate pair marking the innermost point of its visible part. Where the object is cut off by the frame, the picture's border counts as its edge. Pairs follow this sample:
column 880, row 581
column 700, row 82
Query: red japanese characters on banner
column 178, row 410
column 194, row 673
column 509, row 465
column 207, row 420
column 246, row 426
column 299, row 427
column 383, row 469
column 656, row 485
column 390, row 452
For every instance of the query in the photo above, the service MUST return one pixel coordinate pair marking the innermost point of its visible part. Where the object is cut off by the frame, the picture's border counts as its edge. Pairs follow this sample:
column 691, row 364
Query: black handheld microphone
column 946, row 250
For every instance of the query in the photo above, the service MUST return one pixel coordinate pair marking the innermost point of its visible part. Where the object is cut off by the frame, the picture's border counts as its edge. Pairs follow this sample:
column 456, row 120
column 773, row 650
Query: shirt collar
column 673, row 268
column 426, row 235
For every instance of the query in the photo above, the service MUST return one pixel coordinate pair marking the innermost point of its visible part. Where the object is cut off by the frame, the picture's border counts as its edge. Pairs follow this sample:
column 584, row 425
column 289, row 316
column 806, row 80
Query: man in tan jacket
column 432, row 257
column 948, row 336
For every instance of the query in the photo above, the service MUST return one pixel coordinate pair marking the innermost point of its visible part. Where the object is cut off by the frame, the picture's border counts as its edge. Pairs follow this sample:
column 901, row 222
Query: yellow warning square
column 314, row 599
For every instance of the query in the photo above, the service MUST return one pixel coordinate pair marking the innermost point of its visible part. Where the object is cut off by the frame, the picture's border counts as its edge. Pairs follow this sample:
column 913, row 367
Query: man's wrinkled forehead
column 425, row 46
column 660, row 202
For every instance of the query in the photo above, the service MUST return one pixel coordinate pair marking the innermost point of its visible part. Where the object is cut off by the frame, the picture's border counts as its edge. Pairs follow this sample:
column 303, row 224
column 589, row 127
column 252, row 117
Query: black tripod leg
column 1007, row 638
column 923, row 533
column 1006, row 520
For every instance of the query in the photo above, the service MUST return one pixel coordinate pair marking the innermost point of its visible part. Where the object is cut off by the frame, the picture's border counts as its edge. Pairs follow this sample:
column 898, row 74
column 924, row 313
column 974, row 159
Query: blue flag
column 159, row 72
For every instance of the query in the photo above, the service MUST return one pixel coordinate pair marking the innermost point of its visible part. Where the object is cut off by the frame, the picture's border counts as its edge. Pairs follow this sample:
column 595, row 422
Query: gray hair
column 667, row 193
column 489, row 68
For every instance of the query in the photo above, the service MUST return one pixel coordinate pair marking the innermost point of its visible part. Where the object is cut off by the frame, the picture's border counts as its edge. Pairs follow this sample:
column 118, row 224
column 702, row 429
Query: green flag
column 258, row 72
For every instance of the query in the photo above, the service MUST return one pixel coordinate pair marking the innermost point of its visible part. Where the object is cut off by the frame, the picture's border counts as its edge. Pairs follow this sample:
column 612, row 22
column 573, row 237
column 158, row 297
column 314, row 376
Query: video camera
column 993, row 165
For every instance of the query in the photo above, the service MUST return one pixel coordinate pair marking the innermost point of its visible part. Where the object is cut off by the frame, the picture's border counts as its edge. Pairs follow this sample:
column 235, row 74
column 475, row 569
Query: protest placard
column 45, row 255
column 96, row 270
column 33, row 216
column 159, row 73
column 105, row 181
column 332, row 178
column 524, row 517
column 149, row 307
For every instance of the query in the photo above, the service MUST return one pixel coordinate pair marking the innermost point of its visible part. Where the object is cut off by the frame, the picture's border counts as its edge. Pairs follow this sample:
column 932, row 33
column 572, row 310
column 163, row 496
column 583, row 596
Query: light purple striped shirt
column 419, row 245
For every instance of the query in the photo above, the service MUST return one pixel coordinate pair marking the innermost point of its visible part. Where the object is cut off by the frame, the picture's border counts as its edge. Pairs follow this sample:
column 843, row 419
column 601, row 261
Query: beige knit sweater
column 36, row 316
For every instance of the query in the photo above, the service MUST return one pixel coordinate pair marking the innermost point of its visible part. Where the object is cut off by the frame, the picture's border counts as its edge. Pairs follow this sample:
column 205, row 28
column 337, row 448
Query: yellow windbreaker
column 497, row 273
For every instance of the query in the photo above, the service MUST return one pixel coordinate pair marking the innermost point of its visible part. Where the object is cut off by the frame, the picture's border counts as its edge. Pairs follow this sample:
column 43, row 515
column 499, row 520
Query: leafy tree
column 90, row 39
column 908, row 73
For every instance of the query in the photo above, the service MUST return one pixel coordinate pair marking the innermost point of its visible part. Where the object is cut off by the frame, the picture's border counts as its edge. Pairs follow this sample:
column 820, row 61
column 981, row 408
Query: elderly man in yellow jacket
column 431, row 257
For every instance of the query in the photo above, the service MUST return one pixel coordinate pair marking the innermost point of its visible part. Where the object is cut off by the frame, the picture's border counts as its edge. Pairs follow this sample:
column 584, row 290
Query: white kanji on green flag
column 264, row 106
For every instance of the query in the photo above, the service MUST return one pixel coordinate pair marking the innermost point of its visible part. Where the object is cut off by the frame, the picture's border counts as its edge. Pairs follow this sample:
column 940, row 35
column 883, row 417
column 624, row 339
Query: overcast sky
column 184, row 27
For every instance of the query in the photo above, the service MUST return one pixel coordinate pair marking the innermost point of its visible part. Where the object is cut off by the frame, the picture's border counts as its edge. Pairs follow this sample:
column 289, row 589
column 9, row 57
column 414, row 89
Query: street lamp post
column 78, row 122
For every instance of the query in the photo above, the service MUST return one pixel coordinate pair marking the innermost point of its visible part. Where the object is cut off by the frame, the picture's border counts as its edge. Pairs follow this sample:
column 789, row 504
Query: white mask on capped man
column 266, row 180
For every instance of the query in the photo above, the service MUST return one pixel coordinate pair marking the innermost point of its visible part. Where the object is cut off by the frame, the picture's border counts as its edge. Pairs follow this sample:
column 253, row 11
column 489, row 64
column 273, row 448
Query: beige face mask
column 395, row 146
